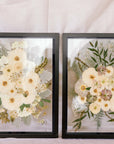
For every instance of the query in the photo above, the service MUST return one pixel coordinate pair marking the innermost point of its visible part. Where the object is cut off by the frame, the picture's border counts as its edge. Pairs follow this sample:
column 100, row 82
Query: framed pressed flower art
column 29, row 85
column 88, row 86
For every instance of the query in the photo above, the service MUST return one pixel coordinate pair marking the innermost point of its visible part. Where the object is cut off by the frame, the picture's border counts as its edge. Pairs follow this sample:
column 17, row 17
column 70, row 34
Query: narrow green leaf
column 96, row 66
column 93, row 59
column 111, row 113
column 96, row 43
column 41, row 103
column 88, row 115
column 46, row 100
column 93, row 50
column 76, row 125
column 91, row 44
column 105, row 60
column 88, row 88
column 101, row 51
column 96, row 54
column 110, row 57
column 77, row 120
column 112, row 120
column 111, row 64
column 24, row 105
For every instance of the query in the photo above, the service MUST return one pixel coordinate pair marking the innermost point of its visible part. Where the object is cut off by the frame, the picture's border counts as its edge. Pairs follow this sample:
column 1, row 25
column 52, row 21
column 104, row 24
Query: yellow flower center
column 95, row 90
column 112, row 89
column 83, row 87
column 106, row 105
column 12, row 91
column 4, row 83
column 26, row 93
column 30, row 80
column 82, row 98
column 92, row 77
column 12, row 100
column 99, row 100
column 8, row 70
column 95, row 107
column 16, row 58
column 108, row 71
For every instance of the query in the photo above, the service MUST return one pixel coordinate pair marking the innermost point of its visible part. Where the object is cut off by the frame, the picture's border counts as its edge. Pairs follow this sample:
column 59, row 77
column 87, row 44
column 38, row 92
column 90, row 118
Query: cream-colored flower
column 105, row 105
column 99, row 100
column 3, row 61
column 11, row 90
column 4, row 84
column 103, row 80
column 17, row 55
column 89, row 76
column 11, row 102
column 81, row 99
column 94, row 91
column 13, row 114
column 2, row 110
column 19, row 83
column 109, row 71
column 41, row 88
column 18, row 67
column 8, row 70
column 80, row 88
column 29, row 96
column 94, row 108
column 31, row 80
column 38, row 98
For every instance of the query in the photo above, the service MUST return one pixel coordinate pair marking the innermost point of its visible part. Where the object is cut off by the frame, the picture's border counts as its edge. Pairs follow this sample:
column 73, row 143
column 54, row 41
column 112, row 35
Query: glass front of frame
column 90, row 63
column 26, row 84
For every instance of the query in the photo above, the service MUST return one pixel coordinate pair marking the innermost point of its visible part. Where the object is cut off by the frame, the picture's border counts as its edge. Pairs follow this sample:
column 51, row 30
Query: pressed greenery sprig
column 101, row 55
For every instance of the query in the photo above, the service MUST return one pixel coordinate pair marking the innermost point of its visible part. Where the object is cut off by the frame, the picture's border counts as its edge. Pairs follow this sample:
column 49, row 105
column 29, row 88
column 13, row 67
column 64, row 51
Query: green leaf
column 46, row 100
column 111, row 64
column 105, row 53
column 0, row 101
column 111, row 113
column 77, row 120
column 93, row 59
column 96, row 43
column 96, row 66
column 24, row 105
column 112, row 120
column 105, row 60
column 76, row 125
column 96, row 54
column 110, row 57
column 92, row 49
column 88, row 88
column 88, row 114
column 91, row 44
column 41, row 103
column 101, row 51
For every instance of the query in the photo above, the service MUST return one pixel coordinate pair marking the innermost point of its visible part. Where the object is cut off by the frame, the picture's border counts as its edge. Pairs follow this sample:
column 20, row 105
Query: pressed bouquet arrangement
column 94, row 89
column 23, row 93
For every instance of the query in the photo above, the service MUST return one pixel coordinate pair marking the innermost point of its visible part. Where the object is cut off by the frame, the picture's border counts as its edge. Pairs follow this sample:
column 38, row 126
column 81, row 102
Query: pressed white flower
column 76, row 106
column 29, row 96
column 94, row 91
column 105, row 105
column 41, row 88
column 31, row 80
column 19, row 83
column 89, row 76
column 4, row 84
column 103, row 80
column 81, row 99
column 19, row 44
column 99, row 100
column 11, row 90
column 18, row 67
column 11, row 102
column 80, row 88
column 8, row 70
column 2, row 110
column 3, row 61
column 109, row 71
column 94, row 108
column 17, row 55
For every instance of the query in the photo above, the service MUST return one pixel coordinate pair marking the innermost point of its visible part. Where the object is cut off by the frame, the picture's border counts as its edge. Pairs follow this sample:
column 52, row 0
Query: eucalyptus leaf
column 45, row 94
column 45, row 76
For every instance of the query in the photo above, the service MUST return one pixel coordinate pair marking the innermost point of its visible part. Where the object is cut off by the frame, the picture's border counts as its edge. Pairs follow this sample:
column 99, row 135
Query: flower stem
column 108, row 115
column 76, row 58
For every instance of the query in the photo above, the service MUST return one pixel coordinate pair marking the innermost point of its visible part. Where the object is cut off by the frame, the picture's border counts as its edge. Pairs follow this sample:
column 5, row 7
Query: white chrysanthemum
column 76, row 106
column 11, row 102
column 94, row 108
column 94, row 91
column 80, row 88
column 11, row 90
column 18, row 66
column 103, row 80
column 109, row 71
column 2, row 110
column 3, row 61
column 19, row 83
column 29, row 96
column 89, row 76
column 24, row 113
column 4, row 84
column 81, row 99
column 8, row 70
column 99, row 100
column 17, row 55
column 105, row 105
column 31, row 80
